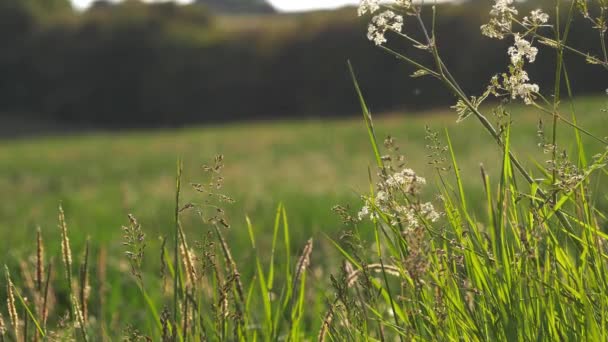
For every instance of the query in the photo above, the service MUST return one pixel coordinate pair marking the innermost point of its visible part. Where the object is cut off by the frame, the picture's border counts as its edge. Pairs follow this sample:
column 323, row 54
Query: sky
column 282, row 5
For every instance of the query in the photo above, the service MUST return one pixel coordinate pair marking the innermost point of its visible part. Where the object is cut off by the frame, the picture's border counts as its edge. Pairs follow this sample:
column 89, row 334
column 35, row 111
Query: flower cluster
column 501, row 19
column 381, row 23
column 384, row 21
column 368, row 6
column 371, row 6
column 396, row 198
column 536, row 18
column 521, row 49
column 515, row 83
column 406, row 4
column 406, row 180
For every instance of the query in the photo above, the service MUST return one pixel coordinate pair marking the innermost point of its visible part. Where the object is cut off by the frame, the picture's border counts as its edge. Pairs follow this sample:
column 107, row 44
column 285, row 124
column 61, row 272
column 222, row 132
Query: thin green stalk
column 84, row 282
column 556, row 44
column 603, row 36
column 44, row 313
column 572, row 124
column 453, row 86
column 176, row 243
column 558, row 76
column 558, row 70
column 66, row 253
column 410, row 61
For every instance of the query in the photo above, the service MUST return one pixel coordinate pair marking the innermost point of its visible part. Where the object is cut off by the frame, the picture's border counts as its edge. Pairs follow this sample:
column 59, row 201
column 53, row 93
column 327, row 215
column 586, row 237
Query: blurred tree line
column 135, row 64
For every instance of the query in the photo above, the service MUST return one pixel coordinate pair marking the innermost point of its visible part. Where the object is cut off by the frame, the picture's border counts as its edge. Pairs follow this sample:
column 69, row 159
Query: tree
column 237, row 6
column 41, row 8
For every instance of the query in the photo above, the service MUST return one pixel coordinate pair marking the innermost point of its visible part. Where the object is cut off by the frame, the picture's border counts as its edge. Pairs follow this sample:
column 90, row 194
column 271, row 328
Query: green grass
column 309, row 166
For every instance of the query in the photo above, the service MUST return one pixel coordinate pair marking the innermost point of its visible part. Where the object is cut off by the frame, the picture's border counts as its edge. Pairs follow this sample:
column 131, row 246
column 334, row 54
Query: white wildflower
column 517, row 85
column 526, row 92
column 536, row 18
column 502, row 8
column 368, row 211
column 427, row 210
column 363, row 212
column 522, row 49
column 382, row 196
column 406, row 180
column 382, row 22
column 501, row 18
column 411, row 217
column 368, row 6
column 407, row 4
column 413, row 214
column 395, row 181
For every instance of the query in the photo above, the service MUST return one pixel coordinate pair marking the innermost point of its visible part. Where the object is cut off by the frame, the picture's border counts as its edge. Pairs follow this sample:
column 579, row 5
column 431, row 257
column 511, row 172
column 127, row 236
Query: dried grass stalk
column 10, row 303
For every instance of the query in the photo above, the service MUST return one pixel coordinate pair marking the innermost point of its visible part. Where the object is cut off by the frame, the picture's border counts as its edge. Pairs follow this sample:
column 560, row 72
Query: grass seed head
column 10, row 302
column 39, row 260
column 66, row 252
column 304, row 260
column 2, row 326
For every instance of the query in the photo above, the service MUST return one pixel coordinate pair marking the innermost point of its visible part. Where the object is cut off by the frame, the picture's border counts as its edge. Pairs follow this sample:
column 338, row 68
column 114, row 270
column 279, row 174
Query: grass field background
column 310, row 166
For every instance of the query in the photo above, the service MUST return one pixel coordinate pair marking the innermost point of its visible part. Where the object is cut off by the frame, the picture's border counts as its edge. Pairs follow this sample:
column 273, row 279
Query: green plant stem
column 451, row 83
column 176, row 246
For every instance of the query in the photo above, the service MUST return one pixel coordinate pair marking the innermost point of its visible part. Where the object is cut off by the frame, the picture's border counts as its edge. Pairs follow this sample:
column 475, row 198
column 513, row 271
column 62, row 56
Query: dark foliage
column 147, row 65
column 237, row 6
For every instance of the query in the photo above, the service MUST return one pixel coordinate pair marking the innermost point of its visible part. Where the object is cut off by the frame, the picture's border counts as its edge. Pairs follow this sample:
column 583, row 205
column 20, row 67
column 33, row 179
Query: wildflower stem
column 602, row 31
column 558, row 44
column 571, row 124
column 450, row 82
column 558, row 70
column 412, row 40
column 410, row 61
column 176, row 246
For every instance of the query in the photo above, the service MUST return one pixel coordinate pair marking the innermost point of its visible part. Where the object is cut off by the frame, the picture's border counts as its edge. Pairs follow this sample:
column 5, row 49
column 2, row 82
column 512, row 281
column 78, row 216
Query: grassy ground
column 309, row 166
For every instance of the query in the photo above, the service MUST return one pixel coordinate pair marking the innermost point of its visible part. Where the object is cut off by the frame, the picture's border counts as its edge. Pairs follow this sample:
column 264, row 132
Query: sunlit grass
column 101, row 176
column 308, row 166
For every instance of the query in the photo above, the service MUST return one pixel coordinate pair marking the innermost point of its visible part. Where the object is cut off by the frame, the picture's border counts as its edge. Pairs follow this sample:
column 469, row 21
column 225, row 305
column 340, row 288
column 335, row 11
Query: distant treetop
column 237, row 6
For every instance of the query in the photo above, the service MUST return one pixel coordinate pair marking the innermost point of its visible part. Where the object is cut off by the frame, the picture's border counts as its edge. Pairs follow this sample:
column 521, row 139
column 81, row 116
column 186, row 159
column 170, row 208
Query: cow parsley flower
column 380, row 202
column 407, row 4
column 414, row 215
column 516, row 85
column 382, row 196
column 501, row 18
column 521, row 49
column 381, row 23
column 397, row 202
column 526, row 92
column 536, row 18
column 503, row 9
column 368, row 6
column 363, row 212
column 516, row 82
column 427, row 210
column 406, row 180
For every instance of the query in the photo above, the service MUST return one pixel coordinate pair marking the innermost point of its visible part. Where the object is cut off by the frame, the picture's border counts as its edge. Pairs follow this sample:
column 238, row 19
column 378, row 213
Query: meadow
column 482, row 222
column 308, row 166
